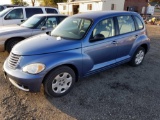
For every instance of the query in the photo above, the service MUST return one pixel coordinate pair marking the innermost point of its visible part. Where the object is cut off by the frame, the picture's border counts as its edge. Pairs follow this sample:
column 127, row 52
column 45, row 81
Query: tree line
column 52, row 3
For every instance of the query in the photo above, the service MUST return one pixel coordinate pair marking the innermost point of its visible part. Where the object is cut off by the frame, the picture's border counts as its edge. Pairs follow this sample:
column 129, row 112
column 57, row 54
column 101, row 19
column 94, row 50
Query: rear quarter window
column 31, row 11
column 50, row 10
column 139, row 23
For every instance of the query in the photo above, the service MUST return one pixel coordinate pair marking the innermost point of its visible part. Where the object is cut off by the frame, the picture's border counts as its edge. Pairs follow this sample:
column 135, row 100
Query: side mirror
column 43, row 28
column 98, row 37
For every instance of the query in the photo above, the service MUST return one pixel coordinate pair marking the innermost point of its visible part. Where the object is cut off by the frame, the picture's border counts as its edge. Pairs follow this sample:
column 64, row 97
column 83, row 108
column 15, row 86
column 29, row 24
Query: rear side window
column 61, row 18
column 126, row 24
column 49, row 10
column 32, row 11
column 15, row 14
column 139, row 23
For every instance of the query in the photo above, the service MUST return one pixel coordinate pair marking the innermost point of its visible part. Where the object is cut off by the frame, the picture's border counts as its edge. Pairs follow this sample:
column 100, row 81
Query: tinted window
column 139, row 22
column 15, row 14
column 1, row 8
column 32, row 11
column 126, row 24
column 51, row 22
column 61, row 18
column 105, row 28
column 49, row 10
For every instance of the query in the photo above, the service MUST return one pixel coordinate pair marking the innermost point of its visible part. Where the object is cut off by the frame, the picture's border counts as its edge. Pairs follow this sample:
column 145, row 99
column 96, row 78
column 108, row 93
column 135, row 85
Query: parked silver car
column 40, row 23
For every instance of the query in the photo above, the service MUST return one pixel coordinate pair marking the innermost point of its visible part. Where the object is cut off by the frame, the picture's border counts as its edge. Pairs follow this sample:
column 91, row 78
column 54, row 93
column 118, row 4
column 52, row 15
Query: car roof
column 50, row 15
column 100, row 14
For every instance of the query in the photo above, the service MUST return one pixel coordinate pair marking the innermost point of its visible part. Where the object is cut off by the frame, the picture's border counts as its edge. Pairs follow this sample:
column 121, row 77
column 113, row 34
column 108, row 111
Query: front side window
column 49, row 10
column 104, row 28
column 51, row 22
column 139, row 22
column 72, row 28
column 126, row 24
column 31, row 11
column 15, row 14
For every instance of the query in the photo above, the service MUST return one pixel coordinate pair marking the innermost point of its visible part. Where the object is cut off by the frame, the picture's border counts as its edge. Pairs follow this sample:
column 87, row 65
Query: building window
column 64, row 7
column 89, row 7
column 113, row 6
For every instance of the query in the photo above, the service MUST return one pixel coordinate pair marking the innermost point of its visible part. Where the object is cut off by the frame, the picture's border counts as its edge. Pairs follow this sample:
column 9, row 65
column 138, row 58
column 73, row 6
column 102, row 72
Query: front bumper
column 22, row 80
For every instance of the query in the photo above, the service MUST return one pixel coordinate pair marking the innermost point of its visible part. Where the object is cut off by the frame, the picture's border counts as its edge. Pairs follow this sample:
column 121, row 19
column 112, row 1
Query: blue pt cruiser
column 81, row 45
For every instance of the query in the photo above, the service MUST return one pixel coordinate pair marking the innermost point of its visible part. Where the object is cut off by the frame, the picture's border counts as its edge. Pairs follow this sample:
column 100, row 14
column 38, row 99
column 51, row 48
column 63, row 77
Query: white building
column 81, row 6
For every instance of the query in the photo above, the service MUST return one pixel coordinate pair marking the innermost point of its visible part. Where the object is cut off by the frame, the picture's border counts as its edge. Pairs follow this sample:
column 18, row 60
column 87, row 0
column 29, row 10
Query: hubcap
column 139, row 57
column 61, row 82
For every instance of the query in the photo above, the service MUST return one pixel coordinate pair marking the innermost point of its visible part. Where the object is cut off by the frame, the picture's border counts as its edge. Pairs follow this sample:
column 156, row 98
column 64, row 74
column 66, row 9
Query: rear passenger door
column 31, row 11
column 126, row 36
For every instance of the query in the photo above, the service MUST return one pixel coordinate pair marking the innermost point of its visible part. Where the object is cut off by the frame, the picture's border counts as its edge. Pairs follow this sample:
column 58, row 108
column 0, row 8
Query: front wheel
column 11, row 43
column 138, row 57
column 59, row 81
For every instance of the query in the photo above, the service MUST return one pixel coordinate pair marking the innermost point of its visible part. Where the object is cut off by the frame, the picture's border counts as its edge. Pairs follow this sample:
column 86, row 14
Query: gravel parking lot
column 121, row 93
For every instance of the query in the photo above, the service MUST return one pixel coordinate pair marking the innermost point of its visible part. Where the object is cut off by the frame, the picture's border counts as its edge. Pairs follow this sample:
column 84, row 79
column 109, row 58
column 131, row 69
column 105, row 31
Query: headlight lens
column 34, row 68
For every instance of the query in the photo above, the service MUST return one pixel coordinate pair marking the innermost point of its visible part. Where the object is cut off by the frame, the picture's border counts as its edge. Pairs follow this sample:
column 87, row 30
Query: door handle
column 114, row 42
column 136, row 36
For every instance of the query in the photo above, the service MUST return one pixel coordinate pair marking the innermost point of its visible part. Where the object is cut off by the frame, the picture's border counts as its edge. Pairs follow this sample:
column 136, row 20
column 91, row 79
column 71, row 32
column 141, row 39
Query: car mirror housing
column 43, row 28
column 98, row 37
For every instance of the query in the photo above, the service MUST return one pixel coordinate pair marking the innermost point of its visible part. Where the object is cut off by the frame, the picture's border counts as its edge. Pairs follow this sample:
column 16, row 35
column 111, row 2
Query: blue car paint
column 86, row 57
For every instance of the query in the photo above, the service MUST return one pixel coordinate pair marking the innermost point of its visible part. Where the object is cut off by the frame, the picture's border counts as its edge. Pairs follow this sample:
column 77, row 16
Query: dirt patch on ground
column 124, row 92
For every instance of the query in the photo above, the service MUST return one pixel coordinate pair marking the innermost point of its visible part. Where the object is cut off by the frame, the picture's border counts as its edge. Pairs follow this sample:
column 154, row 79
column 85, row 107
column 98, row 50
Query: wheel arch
column 145, row 46
column 73, row 67
column 18, row 38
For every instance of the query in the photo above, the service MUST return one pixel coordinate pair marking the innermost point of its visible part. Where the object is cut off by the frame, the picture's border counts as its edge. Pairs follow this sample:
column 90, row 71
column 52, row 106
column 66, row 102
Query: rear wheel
column 59, row 81
column 11, row 43
column 138, row 57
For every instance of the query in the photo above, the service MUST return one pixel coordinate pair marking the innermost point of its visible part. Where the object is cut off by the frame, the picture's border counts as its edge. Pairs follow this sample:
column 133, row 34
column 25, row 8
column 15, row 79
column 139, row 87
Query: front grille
column 13, row 60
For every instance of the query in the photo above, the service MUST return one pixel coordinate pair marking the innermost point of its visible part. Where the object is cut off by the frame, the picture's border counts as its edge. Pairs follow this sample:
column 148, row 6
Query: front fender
column 53, row 60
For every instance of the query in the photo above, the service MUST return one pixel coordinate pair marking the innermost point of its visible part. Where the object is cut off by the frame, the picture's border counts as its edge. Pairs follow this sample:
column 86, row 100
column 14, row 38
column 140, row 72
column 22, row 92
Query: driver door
column 14, row 17
column 101, row 50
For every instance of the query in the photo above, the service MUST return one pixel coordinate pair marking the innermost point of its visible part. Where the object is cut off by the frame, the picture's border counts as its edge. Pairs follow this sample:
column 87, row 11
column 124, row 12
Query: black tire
column 134, row 61
column 11, row 43
column 51, row 84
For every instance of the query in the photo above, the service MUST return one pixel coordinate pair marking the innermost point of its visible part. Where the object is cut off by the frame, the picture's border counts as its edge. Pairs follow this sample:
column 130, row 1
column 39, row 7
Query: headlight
column 34, row 68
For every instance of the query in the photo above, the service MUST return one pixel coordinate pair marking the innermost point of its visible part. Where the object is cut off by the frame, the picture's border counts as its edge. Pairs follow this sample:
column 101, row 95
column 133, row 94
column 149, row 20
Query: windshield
column 32, row 21
column 3, row 12
column 72, row 28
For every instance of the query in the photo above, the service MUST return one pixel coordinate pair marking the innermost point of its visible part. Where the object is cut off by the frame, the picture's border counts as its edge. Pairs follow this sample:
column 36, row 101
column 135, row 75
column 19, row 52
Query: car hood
column 12, row 29
column 43, row 43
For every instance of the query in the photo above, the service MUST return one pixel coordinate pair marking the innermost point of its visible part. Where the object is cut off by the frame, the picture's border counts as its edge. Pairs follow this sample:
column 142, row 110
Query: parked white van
column 17, row 15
